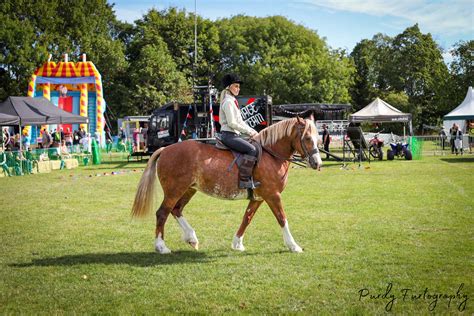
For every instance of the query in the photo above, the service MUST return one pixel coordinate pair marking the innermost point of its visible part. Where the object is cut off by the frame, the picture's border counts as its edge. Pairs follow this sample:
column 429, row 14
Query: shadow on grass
column 458, row 160
column 141, row 259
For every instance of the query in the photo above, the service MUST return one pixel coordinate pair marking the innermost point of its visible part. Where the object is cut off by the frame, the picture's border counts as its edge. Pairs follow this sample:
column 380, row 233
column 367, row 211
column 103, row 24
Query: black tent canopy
column 6, row 119
column 38, row 111
column 320, row 110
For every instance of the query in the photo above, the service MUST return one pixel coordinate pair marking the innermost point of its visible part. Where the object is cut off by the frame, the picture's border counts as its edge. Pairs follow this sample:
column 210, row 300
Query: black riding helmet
column 230, row 79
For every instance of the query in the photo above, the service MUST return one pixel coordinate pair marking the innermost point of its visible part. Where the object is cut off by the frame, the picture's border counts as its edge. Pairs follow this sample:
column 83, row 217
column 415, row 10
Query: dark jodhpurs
column 234, row 142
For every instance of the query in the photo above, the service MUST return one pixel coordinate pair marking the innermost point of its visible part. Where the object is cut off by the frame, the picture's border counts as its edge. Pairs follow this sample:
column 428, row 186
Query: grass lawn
column 390, row 236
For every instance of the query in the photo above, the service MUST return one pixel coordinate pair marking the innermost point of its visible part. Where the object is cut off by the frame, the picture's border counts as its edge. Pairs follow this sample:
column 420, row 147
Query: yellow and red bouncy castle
column 73, row 87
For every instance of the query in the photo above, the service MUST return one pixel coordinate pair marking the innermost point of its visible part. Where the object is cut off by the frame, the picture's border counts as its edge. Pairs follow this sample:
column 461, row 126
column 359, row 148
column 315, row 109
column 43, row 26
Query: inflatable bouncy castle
column 73, row 87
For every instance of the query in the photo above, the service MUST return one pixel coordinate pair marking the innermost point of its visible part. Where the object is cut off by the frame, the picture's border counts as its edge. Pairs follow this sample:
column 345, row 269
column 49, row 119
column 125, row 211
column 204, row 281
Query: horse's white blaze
column 189, row 235
column 160, row 245
column 317, row 156
column 237, row 243
column 289, row 241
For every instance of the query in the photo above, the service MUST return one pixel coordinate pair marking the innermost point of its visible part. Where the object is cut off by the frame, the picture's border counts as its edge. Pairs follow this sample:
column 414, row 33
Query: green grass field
column 390, row 236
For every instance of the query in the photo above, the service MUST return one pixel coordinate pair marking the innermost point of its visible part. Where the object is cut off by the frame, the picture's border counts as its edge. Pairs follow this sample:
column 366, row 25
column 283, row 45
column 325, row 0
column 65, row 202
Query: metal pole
column 195, row 32
column 20, row 153
column 195, row 118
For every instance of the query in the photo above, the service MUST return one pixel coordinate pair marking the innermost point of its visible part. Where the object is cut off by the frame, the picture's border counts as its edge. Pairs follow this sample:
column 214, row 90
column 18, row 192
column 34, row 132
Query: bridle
column 307, row 155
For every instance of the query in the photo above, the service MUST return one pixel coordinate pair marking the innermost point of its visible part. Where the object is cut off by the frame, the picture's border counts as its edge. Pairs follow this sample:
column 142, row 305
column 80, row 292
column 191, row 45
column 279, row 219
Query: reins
column 274, row 154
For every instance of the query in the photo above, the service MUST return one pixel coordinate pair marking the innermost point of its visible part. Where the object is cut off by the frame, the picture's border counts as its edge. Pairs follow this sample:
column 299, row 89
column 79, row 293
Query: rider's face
column 235, row 88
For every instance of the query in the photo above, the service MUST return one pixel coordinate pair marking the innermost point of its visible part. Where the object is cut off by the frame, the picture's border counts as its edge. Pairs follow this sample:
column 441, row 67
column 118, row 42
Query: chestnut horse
column 183, row 168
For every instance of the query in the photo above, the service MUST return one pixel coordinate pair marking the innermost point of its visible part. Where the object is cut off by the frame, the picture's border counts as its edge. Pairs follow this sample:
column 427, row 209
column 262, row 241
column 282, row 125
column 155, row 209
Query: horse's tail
column 145, row 196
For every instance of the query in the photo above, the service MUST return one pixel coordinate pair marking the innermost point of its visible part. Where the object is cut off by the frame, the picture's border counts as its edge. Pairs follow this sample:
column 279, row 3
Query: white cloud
column 448, row 17
column 448, row 58
column 128, row 15
column 130, row 11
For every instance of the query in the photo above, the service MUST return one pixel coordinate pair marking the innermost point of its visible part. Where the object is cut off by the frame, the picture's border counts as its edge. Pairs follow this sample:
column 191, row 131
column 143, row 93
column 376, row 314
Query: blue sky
column 343, row 23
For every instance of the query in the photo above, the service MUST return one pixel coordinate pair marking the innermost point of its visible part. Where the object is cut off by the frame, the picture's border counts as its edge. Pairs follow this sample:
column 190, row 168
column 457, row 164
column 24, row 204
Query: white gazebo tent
column 379, row 111
column 462, row 113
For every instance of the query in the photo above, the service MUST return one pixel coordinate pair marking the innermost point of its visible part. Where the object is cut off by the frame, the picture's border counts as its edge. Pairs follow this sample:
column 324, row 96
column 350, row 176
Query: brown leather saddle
column 238, row 159
column 220, row 145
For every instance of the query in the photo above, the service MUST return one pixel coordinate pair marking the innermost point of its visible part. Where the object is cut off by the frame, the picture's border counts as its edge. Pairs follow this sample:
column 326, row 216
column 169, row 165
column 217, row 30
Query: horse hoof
column 238, row 247
column 237, row 243
column 296, row 249
column 161, row 248
column 190, row 238
column 163, row 251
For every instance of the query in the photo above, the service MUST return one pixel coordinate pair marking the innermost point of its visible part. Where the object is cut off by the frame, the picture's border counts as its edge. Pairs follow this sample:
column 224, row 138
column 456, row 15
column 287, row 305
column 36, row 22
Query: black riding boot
column 245, row 173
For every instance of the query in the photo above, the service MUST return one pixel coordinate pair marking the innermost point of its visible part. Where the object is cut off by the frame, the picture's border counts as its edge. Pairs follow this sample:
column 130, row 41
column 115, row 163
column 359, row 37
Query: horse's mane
column 273, row 133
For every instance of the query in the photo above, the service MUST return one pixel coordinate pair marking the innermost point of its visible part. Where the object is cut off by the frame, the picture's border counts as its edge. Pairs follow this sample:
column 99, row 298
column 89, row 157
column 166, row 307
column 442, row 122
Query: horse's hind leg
column 189, row 235
column 161, row 217
column 237, row 241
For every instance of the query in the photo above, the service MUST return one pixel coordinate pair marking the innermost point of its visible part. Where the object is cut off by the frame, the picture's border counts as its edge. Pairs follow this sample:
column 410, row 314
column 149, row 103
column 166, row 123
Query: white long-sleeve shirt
column 231, row 119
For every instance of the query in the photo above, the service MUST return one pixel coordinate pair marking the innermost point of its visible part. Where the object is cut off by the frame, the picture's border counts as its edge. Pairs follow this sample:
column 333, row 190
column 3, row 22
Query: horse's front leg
column 237, row 242
column 277, row 208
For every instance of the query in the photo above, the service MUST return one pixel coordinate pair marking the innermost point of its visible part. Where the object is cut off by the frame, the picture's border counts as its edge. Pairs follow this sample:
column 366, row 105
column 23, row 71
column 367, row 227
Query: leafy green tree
column 283, row 59
column 370, row 58
column 155, row 80
column 176, row 28
column 418, row 69
column 408, row 65
column 364, row 90
column 398, row 99
column 462, row 71
column 31, row 30
column 23, row 42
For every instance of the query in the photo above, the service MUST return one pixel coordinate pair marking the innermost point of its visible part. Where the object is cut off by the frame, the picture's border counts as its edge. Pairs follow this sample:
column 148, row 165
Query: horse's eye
column 308, row 138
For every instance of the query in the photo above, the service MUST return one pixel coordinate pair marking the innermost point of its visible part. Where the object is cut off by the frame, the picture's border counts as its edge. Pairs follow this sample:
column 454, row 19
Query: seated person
column 85, row 143
column 64, row 150
column 120, row 145
column 3, row 162
column 21, row 164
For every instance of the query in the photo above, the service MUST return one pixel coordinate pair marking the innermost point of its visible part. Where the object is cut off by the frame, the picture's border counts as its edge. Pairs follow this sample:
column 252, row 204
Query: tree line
column 151, row 62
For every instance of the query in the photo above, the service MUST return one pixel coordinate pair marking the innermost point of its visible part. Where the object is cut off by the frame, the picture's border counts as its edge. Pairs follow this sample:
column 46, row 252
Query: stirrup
column 249, row 184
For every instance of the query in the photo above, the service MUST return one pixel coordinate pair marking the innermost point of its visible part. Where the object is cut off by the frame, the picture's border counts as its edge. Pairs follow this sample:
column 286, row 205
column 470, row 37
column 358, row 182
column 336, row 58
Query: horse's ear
column 300, row 120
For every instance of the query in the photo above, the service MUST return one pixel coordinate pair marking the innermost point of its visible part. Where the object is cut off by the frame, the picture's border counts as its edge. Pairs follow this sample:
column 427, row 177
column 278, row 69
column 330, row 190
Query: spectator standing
column 452, row 136
column 144, row 132
column 442, row 135
column 76, row 140
column 458, row 140
column 108, row 140
column 68, row 137
column 26, row 141
column 326, row 140
column 45, row 139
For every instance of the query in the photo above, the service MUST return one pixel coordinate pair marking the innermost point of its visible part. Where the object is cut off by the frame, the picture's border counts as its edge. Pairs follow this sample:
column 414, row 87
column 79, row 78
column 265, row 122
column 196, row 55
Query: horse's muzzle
column 314, row 159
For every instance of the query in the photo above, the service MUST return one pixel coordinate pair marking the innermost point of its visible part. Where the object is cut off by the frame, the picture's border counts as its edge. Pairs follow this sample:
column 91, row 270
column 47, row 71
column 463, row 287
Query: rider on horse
column 232, row 125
